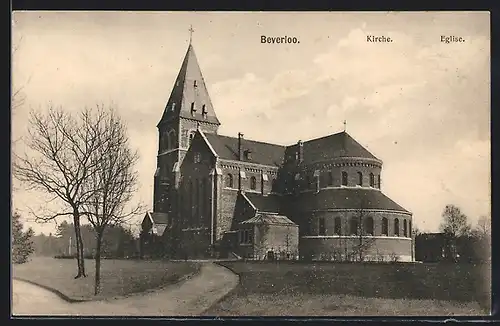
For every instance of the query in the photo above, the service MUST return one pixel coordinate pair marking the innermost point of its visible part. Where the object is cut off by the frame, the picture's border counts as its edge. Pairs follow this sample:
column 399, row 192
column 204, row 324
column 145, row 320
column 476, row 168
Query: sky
column 420, row 105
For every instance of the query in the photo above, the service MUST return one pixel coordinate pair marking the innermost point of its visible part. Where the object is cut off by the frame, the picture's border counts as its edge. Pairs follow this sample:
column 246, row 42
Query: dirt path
column 190, row 298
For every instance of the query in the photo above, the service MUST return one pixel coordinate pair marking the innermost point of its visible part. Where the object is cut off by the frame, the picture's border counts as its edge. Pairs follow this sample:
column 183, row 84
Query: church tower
column 188, row 107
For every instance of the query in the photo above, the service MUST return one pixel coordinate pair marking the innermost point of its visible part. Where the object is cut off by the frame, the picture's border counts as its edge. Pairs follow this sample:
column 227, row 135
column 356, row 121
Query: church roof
column 269, row 203
column 332, row 146
column 348, row 198
column 269, row 219
column 158, row 222
column 189, row 90
column 158, row 218
column 262, row 153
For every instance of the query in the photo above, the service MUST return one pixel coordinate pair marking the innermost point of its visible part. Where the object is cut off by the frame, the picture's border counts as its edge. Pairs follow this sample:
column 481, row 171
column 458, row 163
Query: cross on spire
column 345, row 125
column 191, row 30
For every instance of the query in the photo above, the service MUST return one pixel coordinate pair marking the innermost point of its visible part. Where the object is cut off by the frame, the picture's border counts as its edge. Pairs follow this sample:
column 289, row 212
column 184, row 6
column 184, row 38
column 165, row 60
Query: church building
column 220, row 196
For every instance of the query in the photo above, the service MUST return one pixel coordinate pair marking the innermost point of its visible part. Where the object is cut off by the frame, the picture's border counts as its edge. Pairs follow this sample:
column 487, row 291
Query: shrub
column 22, row 244
column 64, row 256
column 394, row 258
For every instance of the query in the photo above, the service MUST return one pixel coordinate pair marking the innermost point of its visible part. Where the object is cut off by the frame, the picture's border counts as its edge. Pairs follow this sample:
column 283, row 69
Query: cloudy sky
column 420, row 105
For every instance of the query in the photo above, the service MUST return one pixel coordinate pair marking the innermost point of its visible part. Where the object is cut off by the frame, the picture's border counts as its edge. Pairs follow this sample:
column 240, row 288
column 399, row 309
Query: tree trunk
column 360, row 248
column 79, row 246
column 97, row 285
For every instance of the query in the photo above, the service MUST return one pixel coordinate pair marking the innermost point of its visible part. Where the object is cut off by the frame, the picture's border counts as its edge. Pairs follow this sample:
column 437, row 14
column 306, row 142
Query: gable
column 269, row 219
column 199, row 146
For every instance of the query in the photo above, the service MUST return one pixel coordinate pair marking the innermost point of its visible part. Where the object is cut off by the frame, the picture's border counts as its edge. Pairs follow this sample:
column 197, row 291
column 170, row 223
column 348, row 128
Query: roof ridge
column 249, row 140
column 322, row 137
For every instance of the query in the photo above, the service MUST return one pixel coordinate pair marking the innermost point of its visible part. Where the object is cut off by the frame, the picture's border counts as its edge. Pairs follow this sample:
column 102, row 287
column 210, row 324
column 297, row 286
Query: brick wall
column 195, row 189
column 277, row 238
column 187, row 126
column 251, row 170
column 196, row 242
column 335, row 167
column 338, row 248
column 345, row 216
column 227, row 205
column 328, row 244
column 197, row 174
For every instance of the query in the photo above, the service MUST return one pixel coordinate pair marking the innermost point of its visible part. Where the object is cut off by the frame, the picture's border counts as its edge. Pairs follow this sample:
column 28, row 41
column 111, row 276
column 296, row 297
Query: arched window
column 369, row 225
column 385, row 226
column 409, row 229
column 360, row 179
column 321, row 226
column 274, row 185
column 191, row 136
column 172, row 139
column 396, row 227
column 168, row 143
column 372, row 180
column 201, row 200
column 190, row 196
column 344, row 178
column 196, row 199
column 253, row 183
column 354, row 226
column 338, row 225
column 405, row 228
column 193, row 109
column 163, row 140
column 330, row 178
column 229, row 181
column 206, row 197
column 379, row 182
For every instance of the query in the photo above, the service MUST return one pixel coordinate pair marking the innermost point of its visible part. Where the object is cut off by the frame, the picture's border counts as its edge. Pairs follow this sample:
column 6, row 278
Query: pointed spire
column 189, row 97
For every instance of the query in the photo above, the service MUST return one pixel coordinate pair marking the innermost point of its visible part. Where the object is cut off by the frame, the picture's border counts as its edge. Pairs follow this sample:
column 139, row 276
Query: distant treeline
column 433, row 247
column 118, row 242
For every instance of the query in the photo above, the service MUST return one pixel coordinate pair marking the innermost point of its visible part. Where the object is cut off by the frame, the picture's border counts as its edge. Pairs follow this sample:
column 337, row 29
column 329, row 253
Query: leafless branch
column 60, row 146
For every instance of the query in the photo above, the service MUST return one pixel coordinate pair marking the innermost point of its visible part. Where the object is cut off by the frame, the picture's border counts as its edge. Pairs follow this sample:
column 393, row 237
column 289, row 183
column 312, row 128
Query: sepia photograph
column 228, row 164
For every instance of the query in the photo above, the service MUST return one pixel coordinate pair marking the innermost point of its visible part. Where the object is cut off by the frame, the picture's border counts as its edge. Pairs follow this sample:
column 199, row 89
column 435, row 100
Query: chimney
column 301, row 151
column 240, row 147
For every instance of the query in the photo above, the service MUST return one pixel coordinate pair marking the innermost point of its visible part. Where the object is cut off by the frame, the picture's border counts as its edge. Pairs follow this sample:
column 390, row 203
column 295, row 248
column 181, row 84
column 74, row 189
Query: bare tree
column 483, row 227
column 17, row 97
column 454, row 222
column 416, row 231
column 364, row 239
column 58, row 163
column 113, row 181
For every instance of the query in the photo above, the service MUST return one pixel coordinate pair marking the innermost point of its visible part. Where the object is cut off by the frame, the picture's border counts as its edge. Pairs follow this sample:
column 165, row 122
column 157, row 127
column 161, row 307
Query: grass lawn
column 118, row 277
column 329, row 289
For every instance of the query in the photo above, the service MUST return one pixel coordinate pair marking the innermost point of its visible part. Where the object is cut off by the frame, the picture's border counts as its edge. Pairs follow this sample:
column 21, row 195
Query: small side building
column 269, row 236
column 152, row 240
